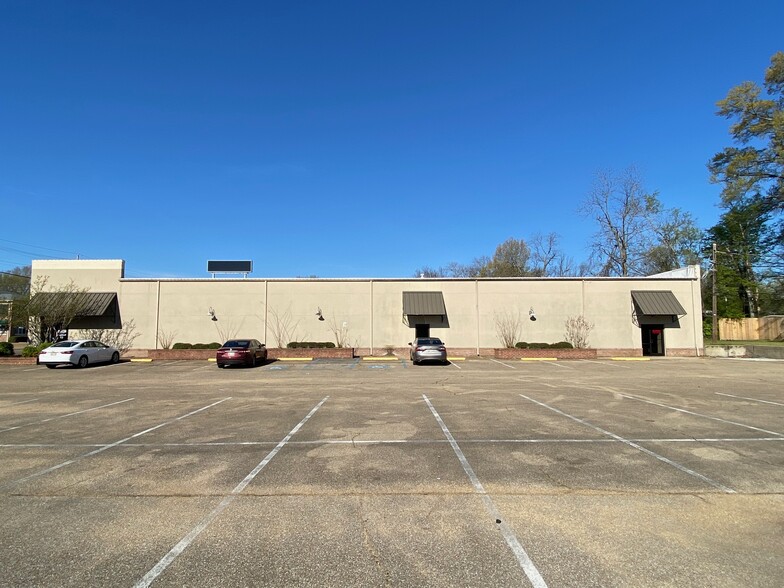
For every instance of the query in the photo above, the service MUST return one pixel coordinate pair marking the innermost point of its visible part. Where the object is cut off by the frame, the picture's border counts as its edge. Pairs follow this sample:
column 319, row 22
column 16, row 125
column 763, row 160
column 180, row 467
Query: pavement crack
column 370, row 547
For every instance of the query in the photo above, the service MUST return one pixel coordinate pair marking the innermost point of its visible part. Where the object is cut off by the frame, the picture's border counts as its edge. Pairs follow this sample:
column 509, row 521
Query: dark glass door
column 652, row 339
column 422, row 330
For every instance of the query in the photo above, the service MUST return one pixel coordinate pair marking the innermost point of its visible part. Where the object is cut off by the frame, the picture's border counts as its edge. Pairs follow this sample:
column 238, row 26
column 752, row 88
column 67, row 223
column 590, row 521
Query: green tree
column 743, row 238
column 510, row 260
column 54, row 309
column 14, row 293
column 756, row 164
column 15, row 283
column 675, row 241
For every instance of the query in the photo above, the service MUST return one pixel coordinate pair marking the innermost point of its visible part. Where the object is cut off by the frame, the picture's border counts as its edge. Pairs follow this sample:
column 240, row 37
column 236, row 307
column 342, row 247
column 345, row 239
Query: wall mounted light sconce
column 319, row 315
column 211, row 312
column 531, row 314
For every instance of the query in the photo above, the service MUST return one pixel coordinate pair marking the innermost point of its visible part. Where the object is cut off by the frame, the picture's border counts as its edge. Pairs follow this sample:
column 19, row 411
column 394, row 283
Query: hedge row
column 559, row 345
column 34, row 350
column 310, row 345
column 212, row 345
column 6, row 349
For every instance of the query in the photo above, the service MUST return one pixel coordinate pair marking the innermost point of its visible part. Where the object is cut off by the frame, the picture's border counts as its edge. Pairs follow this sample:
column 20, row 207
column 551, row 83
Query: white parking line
column 452, row 363
column 511, row 540
column 684, row 469
column 705, row 416
column 403, row 442
column 62, row 416
column 20, row 402
column 511, row 367
column 105, row 447
column 558, row 364
column 613, row 364
column 175, row 551
column 747, row 398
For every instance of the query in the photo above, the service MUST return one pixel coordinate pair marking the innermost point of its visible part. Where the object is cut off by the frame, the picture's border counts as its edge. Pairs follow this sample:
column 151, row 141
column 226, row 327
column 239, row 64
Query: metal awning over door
column 423, row 304
column 657, row 303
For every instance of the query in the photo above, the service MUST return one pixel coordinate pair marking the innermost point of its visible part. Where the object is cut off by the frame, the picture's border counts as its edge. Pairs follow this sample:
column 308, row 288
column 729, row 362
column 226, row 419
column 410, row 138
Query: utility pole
column 715, row 325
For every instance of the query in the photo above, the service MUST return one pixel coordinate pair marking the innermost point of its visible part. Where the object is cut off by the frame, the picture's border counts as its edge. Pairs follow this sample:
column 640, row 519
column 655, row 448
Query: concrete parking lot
column 667, row 472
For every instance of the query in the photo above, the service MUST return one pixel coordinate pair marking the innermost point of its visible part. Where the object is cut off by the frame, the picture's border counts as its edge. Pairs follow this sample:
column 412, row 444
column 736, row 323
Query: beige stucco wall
column 371, row 310
column 98, row 275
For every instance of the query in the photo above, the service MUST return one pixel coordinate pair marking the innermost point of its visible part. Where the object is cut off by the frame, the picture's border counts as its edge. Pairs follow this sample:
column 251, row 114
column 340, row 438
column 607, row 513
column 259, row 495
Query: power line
column 72, row 253
column 15, row 275
column 30, row 253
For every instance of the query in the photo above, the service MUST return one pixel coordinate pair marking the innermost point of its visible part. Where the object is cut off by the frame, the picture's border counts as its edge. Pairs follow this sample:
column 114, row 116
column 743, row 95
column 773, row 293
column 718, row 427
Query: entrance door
column 422, row 330
column 652, row 339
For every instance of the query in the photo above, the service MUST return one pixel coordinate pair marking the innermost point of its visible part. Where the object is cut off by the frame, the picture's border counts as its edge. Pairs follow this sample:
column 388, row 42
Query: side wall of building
column 369, row 313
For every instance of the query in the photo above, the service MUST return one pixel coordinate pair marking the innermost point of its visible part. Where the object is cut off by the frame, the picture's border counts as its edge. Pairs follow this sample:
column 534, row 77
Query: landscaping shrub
column 6, row 349
column 182, row 346
column 311, row 345
column 34, row 350
column 559, row 345
column 562, row 345
column 213, row 345
column 199, row 346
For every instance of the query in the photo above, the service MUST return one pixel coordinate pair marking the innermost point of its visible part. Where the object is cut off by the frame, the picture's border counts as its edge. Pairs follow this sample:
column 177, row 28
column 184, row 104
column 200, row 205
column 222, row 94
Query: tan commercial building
column 656, row 315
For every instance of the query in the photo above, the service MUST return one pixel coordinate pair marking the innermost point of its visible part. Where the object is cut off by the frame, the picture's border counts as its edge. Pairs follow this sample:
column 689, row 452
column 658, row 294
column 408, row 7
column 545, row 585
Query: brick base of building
column 625, row 352
column 515, row 353
column 16, row 360
column 683, row 352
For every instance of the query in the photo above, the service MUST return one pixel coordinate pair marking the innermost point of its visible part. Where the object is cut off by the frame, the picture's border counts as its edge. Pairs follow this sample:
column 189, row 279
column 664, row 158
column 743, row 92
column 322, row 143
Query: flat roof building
column 655, row 315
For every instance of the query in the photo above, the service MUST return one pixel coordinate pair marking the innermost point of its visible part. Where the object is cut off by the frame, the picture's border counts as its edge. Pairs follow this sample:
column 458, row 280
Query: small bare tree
column 166, row 339
column 340, row 331
column 283, row 327
column 121, row 339
column 51, row 308
column 227, row 329
column 508, row 325
column 577, row 330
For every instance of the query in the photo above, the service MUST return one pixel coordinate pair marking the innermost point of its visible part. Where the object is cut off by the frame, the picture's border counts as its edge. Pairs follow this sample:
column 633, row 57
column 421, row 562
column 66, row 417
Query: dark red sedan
column 248, row 352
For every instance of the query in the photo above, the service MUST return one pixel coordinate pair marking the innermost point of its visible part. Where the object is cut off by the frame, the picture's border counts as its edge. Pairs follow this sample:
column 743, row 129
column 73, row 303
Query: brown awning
column 424, row 304
column 657, row 302
column 87, row 304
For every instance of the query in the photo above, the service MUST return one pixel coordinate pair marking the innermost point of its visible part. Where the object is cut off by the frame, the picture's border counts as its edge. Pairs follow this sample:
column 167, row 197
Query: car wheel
column 220, row 365
column 115, row 357
column 83, row 361
column 51, row 366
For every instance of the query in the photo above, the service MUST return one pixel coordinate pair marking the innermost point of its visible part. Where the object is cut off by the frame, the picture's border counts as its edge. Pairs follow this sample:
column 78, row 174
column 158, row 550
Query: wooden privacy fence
column 766, row 328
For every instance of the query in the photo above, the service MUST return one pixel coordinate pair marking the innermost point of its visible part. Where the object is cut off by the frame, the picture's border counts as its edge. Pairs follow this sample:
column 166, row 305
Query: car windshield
column 433, row 341
column 66, row 344
column 237, row 343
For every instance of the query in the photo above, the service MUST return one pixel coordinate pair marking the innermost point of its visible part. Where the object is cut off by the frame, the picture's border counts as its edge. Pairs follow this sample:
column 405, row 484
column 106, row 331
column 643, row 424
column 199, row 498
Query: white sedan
column 80, row 353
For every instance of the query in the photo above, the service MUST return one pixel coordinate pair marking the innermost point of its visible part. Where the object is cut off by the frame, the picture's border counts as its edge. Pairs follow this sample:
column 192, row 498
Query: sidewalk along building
column 655, row 315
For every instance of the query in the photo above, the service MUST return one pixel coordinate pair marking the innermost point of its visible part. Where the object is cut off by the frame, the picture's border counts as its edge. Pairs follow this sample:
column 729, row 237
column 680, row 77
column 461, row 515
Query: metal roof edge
column 521, row 279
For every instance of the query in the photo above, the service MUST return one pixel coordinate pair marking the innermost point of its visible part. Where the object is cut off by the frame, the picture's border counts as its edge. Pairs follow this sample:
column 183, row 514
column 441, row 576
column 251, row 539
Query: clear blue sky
column 352, row 138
